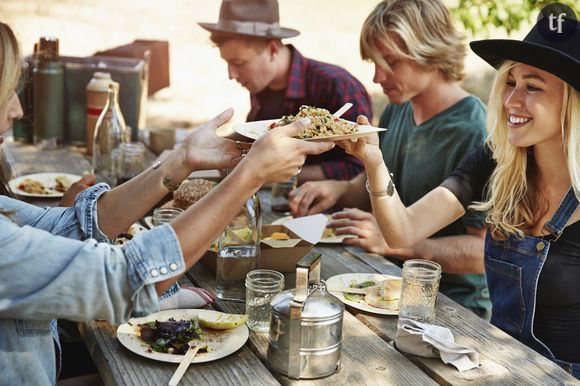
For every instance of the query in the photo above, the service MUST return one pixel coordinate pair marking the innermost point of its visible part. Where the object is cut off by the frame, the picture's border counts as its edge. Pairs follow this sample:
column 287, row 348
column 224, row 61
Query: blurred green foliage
column 478, row 16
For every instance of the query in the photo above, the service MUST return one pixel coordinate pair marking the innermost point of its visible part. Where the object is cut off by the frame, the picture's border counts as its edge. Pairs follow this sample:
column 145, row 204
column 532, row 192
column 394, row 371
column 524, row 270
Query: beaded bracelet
column 388, row 192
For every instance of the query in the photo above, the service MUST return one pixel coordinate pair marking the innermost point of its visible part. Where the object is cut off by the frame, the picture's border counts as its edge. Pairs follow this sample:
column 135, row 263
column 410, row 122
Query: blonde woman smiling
column 526, row 178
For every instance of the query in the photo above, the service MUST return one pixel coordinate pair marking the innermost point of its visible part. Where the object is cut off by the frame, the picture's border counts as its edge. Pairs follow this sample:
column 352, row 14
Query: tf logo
column 557, row 22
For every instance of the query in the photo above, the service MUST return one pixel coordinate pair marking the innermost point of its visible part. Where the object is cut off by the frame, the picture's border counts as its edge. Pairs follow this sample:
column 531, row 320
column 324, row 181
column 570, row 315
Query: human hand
column 365, row 148
column 276, row 156
column 205, row 150
column 68, row 197
column 364, row 228
column 313, row 197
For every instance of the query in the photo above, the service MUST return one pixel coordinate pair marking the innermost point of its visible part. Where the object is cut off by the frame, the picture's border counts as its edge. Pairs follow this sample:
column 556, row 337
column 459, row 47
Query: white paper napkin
column 309, row 228
column 432, row 341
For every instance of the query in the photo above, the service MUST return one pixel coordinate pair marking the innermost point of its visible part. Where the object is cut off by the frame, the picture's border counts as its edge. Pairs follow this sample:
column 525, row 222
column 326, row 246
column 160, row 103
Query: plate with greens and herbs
column 375, row 293
column 165, row 335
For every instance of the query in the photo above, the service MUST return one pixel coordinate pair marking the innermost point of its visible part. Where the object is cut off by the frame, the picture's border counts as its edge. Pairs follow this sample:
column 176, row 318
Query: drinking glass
column 280, row 192
column 165, row 215
column 131, row 161
column 261, row 287
column 419, row 290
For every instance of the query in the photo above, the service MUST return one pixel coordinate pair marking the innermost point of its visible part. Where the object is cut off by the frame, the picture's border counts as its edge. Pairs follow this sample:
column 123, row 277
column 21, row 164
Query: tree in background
column 478, row 16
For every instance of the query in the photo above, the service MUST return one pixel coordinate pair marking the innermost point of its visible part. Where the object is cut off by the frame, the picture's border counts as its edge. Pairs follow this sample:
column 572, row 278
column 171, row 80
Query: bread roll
column 191, row 191
column 391, row 288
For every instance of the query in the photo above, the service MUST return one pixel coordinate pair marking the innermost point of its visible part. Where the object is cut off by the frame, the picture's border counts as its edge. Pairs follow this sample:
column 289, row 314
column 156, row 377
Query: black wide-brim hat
column 544, row 47
column 254, row 18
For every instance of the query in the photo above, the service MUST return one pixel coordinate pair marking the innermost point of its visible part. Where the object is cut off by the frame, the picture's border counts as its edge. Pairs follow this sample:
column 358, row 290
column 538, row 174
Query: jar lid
column 318, row 306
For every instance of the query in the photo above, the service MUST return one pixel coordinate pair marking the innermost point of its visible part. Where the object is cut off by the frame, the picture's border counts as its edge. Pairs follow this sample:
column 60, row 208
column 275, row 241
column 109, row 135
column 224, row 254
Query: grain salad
column 323, row 124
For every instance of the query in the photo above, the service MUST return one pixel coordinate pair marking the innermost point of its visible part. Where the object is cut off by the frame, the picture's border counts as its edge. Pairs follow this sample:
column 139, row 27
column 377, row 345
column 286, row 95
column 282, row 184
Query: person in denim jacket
column 58, row 263
column 527, row 181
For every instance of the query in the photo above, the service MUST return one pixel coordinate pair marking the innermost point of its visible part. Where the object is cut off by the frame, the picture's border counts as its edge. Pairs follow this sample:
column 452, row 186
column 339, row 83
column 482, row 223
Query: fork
column 194, row 347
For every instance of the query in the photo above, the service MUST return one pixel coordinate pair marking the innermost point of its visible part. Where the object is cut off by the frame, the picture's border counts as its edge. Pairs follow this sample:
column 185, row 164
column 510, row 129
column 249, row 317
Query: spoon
column 342, row 110
column 194, row 347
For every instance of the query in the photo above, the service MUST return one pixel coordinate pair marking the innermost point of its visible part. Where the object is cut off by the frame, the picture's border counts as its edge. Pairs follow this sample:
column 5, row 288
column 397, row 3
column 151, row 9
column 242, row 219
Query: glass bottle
column 239, row 251
column 110, row 133
column 97, row 93
column 48, row 96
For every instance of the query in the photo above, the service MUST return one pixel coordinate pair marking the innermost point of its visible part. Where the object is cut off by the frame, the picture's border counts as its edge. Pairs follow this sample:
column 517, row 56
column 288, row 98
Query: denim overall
column 513, row 267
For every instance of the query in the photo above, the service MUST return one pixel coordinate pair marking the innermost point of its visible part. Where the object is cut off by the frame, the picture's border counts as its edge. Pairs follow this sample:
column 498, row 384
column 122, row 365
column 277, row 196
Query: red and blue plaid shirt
column 323, row 85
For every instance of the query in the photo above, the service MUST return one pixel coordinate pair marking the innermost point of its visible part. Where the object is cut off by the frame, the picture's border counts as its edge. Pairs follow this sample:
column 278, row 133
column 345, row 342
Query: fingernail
column 304, row 121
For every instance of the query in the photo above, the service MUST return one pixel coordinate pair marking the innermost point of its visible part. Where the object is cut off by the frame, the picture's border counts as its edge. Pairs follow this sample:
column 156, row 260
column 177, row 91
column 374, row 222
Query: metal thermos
column 305, row 337
column 48, row 96
column 22, row 129
column 97, row 93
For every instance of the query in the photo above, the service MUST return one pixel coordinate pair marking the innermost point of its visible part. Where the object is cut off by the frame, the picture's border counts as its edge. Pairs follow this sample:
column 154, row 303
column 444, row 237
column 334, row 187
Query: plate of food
column 375, row 293
column 164, row 336
column 49, row 185
column 328, row 236
column 323, row 127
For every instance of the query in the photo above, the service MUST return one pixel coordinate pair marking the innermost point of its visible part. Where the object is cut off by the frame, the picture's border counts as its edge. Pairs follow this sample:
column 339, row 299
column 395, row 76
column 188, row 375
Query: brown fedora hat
column 258, row 18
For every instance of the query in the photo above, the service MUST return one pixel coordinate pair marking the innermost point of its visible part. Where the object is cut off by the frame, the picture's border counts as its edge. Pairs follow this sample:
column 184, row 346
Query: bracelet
column 388, row 192
column 168, row 181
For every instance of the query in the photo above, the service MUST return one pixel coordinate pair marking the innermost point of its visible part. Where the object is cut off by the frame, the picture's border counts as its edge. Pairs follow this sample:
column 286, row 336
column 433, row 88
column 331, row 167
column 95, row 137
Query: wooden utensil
column 342, row 110
column 194, row 347
column 362, row 291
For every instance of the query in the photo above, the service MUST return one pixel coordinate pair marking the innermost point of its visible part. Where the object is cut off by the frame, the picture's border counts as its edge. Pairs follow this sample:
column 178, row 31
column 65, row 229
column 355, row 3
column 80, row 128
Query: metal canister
column 22, row 129
column 305, row 337
column 97, row 92
column 48, row 98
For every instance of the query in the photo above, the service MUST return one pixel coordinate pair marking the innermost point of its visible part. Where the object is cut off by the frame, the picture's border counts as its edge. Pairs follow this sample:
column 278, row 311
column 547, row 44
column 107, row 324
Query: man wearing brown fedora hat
column 280, row 80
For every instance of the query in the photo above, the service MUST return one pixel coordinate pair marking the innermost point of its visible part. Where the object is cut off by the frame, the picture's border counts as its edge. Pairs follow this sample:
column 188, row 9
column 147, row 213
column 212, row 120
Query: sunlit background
column 200, row 87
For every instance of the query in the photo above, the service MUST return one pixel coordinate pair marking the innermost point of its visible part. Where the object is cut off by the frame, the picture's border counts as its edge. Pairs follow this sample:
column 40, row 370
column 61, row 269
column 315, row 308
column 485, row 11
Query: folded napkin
column 432, row 341
column 187, row 297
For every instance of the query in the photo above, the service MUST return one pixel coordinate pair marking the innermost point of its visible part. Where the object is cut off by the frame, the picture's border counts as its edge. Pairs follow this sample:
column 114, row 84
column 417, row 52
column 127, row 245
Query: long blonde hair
column 512, row 196
column 426, row 29
column 10, row 68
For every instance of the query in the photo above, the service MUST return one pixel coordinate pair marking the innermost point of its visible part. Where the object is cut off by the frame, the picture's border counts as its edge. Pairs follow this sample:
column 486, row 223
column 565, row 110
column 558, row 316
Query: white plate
column 324, row 240
column 345, row 279
column 256, row 129
column 221, row 343
column 46, row 179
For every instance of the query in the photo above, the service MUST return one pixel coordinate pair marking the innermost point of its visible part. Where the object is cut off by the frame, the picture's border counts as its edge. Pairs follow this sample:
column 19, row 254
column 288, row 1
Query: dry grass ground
column 199, row 84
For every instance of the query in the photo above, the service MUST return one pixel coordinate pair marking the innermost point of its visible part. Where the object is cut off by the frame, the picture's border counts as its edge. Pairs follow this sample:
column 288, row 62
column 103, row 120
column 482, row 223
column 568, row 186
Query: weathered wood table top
column 368, row 353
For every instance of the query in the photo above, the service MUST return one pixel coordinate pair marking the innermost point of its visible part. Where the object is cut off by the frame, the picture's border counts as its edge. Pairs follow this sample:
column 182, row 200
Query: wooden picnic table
column 368, row 353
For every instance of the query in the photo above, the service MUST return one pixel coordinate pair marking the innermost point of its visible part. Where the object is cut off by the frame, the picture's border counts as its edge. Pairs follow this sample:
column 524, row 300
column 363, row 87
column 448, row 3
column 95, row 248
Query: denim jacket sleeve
column 52, row 264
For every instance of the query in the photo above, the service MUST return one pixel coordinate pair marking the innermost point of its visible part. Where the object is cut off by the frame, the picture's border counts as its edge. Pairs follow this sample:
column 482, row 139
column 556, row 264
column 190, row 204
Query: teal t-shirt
column 421, row 157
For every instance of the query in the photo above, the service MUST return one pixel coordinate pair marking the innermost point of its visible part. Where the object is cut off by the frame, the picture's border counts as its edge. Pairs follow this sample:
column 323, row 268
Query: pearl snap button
column 540, row 246
column 173, row 266
column 154, row 273
column 163, row 270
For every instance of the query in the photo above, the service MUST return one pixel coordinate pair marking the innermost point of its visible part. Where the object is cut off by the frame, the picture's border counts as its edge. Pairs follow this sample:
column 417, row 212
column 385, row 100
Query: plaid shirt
column 323, row 85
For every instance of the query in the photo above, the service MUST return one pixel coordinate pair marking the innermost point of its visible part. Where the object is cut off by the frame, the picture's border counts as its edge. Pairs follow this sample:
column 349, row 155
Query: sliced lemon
column 244, row 234
column 220, row 321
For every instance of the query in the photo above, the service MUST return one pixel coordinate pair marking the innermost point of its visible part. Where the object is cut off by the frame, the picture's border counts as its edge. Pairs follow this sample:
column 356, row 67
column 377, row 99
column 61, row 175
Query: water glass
column 131, row 161
column 280, row 192
column 165, row 215
column 419, row 290
column 261, row 287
